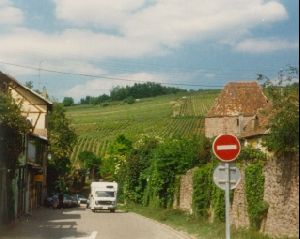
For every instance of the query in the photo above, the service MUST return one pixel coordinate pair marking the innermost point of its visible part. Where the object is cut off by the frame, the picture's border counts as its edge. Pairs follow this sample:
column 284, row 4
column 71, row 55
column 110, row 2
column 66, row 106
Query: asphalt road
column 81, row 223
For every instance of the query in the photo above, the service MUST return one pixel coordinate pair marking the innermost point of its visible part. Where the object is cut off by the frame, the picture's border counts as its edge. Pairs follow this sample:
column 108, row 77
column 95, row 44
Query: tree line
column 127, row 93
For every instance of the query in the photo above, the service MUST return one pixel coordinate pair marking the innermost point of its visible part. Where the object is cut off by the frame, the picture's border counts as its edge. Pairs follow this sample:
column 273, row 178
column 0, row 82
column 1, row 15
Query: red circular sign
column 226, row 147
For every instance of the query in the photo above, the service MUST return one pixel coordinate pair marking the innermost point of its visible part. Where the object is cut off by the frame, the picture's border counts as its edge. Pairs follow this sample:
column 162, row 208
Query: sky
column 77, row 48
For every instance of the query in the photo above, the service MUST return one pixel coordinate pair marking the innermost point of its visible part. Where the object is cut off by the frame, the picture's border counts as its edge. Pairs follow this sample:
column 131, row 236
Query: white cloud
column 266, row 45
column 9, row 14
column 146, row 29
column 171, row 22
column 105, row 13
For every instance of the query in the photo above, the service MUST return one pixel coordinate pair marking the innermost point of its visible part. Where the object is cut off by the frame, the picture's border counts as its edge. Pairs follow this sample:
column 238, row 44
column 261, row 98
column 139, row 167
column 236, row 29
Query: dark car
column 80, row 199
column 68, row 201
column 74, row 200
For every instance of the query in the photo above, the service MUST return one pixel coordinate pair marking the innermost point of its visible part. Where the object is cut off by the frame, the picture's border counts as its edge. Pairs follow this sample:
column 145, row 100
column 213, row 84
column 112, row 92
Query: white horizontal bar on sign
column 227, row 147
column 223, row 181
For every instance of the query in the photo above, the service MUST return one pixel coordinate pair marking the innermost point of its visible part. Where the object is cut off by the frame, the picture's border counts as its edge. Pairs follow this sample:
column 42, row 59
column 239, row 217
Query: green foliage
column 68, row 101
column 254, row 184
column 141, row 90
column 284, row 121
column 29, row 84
column 62, row 139
column 137, row 162
column 202, row 190
column 170, row 158
column 218, row 203
column 249, row 154
column 10, row 114
column 102, row 99
column 114, row 163
column 12, row 126
column 129, row 100
column 207, row 196
column 129, row 93
column 90, row 163
column 61, row 136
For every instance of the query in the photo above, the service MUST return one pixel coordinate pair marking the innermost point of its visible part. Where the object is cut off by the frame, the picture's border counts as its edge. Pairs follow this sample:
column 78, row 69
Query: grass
column 198, row 228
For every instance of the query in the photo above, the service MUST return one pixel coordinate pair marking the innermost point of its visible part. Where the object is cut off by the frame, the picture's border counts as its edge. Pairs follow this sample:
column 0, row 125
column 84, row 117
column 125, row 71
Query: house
column 236, row 107
column 29, row 185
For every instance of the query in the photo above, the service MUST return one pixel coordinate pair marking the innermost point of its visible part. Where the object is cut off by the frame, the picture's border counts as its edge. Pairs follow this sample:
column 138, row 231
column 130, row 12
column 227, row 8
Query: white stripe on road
column 92, row 236
column 227, row 147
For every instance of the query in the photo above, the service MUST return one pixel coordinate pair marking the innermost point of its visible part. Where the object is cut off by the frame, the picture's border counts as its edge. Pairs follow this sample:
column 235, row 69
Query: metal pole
column 39, row 80
column 227, row 200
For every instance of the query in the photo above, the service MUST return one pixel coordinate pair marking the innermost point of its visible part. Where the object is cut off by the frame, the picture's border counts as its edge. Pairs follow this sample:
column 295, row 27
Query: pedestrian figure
column 61, row 200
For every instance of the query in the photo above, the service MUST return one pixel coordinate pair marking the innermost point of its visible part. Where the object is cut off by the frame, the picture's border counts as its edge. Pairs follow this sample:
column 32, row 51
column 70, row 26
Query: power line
column 103, row 76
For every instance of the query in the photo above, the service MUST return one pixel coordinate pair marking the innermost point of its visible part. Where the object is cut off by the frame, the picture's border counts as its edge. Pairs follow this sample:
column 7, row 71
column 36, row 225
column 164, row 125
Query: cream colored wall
column 32, row 107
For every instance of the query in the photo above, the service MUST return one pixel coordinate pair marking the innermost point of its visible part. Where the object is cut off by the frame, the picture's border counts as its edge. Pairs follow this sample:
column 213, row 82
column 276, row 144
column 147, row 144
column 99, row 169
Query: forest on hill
column 137, row 91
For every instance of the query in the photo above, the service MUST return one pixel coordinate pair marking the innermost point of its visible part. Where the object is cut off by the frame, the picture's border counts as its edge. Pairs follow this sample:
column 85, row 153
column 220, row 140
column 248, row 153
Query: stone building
column 236, row 106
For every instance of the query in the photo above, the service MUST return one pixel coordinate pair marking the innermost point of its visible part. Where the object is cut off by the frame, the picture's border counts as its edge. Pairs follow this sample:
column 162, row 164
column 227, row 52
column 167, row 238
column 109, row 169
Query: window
column 105, row 194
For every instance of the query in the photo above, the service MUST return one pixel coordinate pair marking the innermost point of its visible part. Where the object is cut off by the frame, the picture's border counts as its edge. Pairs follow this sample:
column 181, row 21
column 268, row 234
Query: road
column 81, row 223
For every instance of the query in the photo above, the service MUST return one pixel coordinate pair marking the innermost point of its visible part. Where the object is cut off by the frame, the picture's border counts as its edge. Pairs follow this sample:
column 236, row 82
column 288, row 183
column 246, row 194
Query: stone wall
column 185, row 197
column 239, row 214
column 225, row 125
column 281, row 192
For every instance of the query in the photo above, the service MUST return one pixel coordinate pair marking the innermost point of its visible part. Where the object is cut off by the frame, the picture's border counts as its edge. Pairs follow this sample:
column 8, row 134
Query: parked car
column 68, row 201
column 80, row 199
column 75, row 202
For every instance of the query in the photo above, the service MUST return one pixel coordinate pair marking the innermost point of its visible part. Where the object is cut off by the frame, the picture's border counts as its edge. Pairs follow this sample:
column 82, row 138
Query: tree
column 284, row 121
column 68, row 101
column 90, row 163
column 114, row 164
column 12, row 127
column 172, row 157
column 29, row 84
column 62, row 139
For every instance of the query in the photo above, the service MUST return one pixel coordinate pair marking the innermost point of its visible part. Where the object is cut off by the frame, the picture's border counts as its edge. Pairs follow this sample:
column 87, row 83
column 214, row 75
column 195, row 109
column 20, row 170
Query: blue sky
column 196, row 42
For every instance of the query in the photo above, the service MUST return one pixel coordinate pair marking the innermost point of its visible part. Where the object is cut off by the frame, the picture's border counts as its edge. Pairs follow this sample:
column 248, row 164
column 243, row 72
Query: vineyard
column 97, row 126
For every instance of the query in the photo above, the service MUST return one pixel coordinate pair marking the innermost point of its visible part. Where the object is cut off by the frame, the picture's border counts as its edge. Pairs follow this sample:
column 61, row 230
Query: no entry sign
column 226, row 147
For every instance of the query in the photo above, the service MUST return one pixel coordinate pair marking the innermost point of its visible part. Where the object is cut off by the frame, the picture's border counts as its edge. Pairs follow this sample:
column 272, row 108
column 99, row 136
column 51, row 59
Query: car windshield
column 105, row 194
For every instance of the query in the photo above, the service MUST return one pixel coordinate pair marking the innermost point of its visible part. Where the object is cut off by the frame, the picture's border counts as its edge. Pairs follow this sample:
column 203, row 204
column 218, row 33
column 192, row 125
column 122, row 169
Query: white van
column 103, row 196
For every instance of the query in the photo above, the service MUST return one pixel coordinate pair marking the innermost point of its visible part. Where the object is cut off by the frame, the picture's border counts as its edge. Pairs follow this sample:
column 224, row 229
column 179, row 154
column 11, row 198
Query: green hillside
column 180, row 114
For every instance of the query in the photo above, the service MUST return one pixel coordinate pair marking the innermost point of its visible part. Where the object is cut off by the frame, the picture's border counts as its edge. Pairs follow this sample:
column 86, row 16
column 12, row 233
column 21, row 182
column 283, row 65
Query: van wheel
column 112, row 210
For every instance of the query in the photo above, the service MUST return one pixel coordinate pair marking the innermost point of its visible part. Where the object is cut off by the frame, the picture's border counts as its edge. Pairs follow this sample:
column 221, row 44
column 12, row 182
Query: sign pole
column 227, row 200
column 227, row 147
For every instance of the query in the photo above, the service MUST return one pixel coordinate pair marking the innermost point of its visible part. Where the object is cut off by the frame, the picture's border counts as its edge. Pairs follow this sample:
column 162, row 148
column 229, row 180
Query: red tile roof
column 244, row 98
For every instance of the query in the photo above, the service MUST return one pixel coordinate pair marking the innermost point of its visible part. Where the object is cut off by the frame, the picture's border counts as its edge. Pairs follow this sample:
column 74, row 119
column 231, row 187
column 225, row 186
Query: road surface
column 81, row 223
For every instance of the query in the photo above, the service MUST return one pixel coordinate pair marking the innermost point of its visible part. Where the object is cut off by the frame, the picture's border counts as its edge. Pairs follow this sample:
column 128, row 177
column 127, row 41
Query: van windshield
column 105, row 194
